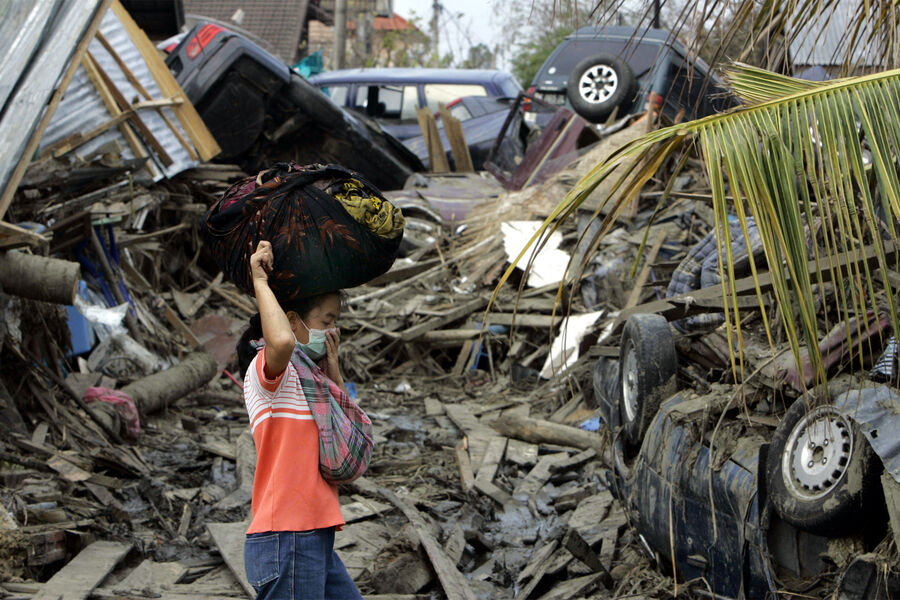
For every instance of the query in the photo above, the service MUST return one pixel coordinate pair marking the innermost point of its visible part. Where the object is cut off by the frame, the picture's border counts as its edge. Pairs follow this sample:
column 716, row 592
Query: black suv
column 597, row 70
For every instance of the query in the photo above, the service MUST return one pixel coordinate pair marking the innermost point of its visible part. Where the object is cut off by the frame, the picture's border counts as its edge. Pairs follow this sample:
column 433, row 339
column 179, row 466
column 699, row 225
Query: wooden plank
column 12, row 236
column 522, row 320
column 437, row 158
column 521, row 453
column 573, row 588
column 452, row 581
column 452, row 315
column 495, row 493
column 362, row 509
column 491, row 461
column 183, row 329
column 649, row 260
column 466, row 477
column 433, row 407
column 81, row 21
column 536, row 568
column 478, row 434
column 574, row 462
column 459, row 147
column 187, row 115
column 84, row 573
column 537, row 477
column 229, row 539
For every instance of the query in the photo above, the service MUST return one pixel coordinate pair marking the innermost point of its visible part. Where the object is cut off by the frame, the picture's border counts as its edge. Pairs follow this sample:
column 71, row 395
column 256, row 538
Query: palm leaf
column 794, row 160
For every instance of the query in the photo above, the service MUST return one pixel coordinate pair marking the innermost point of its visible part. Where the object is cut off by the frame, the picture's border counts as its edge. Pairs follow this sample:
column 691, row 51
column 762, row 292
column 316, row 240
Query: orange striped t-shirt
column 289, row 493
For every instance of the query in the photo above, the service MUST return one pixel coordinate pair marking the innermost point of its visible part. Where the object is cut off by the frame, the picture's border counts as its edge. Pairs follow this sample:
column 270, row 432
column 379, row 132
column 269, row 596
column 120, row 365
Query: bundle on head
column 330, row 229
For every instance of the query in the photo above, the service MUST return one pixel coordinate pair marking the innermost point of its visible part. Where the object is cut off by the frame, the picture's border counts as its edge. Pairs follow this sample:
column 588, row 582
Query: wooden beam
column 187, row 115
column 437, row 157
column 93, row 73
column 454, row 314
column 12, row 236
column 459, row 147
column 650, row 258
column 540, row 431
column 138, row 122
column 83, row 574
column 136, row 83
column 455, row 585
column 50, row 60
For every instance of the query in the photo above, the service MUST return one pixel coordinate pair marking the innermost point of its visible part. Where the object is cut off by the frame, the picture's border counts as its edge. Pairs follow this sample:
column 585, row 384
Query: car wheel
column 647, row 368
column 599, row 84
column 819, row 470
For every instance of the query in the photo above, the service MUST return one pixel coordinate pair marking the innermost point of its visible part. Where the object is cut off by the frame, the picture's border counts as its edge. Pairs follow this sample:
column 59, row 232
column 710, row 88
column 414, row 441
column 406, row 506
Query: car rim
column 817, row 453
column 598, row 84
column 630, row 383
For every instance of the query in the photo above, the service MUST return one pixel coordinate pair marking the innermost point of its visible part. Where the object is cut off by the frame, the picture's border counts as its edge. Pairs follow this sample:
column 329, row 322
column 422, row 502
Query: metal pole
column 340, row 33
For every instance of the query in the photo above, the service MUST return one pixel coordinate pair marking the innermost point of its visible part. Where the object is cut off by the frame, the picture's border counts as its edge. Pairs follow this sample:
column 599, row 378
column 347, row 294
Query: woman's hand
column 261, row 262
column 332, row 365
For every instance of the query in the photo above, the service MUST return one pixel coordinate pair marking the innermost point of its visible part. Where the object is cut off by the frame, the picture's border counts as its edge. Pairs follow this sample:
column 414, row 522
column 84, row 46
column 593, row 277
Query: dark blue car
column 391, row 96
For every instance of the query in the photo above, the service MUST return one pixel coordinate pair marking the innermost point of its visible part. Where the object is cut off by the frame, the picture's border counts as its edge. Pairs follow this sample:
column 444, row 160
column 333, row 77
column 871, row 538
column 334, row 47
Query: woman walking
column 289, row 550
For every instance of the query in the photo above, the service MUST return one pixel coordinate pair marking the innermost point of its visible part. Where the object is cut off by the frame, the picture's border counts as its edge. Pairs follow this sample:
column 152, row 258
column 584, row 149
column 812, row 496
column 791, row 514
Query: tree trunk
column 155, row 392
column 38, row 277
column 537, row 431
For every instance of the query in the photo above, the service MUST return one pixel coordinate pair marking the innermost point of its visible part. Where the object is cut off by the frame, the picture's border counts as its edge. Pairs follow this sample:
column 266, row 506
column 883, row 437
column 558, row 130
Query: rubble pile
column 126, row 464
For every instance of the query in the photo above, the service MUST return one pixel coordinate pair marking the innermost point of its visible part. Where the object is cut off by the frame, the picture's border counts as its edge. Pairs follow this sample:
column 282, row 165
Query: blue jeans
column 297, row 565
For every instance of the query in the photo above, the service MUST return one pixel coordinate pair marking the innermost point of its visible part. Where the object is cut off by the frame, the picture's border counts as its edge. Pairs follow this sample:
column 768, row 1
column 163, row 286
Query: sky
column 477, row 19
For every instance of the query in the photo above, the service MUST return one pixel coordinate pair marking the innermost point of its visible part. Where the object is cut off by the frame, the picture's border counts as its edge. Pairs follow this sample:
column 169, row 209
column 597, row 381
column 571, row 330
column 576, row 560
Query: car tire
column 599, row 84
column 647, row 368
column 820, row 470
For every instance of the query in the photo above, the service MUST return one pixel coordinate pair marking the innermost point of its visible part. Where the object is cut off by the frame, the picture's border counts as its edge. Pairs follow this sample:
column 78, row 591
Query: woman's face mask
column 315, row 348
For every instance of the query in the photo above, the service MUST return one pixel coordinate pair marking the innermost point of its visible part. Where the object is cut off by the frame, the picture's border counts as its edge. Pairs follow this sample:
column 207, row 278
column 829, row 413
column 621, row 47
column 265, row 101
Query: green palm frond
column 814, row 164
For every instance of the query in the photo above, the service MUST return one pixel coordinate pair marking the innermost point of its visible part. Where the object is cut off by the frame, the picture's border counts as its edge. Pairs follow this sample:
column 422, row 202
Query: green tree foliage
column 529, row 57
column 480, row 57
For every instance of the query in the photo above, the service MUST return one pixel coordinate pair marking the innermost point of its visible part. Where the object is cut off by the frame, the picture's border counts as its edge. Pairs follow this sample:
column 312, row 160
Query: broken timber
column 455, row 585
column 78, row 579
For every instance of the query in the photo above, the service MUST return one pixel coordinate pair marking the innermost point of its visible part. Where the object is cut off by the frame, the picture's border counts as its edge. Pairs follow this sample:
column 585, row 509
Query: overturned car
column 752, row 502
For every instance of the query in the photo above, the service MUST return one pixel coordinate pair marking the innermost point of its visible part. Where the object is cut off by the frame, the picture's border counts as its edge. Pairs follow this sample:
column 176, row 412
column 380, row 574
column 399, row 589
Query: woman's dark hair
column 301, row 306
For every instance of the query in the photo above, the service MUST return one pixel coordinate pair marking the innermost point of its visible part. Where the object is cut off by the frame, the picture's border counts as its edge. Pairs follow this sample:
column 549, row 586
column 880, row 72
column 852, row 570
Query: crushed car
column 754, row 491
column 261, row 112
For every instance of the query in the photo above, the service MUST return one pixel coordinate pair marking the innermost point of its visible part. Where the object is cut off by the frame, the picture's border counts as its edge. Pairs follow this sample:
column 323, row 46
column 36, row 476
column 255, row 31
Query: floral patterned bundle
column 330, row 229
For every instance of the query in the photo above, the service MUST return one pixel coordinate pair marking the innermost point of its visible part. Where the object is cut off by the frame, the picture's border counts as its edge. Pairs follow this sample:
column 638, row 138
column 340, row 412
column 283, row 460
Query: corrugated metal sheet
column 826, row 41
column 42, row 56
column 21, row 22
column 82, row 108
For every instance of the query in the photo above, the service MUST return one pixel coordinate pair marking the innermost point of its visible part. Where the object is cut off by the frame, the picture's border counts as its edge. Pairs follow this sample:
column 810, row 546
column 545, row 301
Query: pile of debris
column 480, row 461
column 127, row 463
